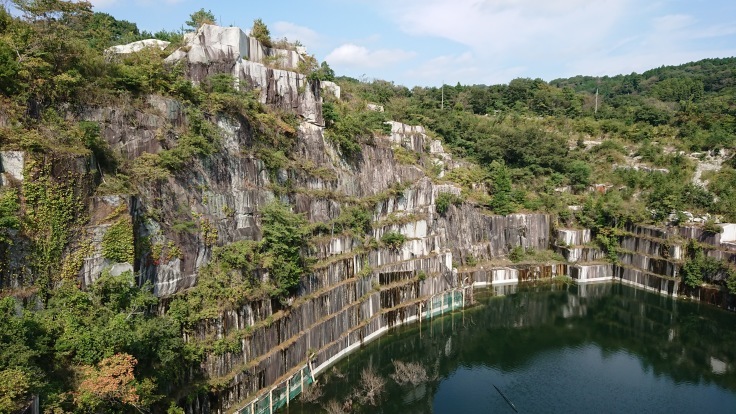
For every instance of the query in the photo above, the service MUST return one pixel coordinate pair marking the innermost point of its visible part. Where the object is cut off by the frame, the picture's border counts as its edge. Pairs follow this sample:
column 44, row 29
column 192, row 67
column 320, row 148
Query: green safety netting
column 444, row 303
column 279, row 396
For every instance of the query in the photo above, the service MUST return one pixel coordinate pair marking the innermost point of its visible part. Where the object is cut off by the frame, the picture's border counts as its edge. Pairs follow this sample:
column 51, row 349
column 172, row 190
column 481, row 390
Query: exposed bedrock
column 215, row 50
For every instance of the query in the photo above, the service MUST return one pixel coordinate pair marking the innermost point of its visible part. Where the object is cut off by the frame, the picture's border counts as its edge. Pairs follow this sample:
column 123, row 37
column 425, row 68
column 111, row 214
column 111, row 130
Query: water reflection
column 602, row 347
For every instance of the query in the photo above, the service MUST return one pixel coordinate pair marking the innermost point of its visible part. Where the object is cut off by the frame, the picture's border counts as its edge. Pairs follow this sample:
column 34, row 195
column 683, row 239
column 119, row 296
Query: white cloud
column 522, row 27
column 672, row 22
column 464, row 68
column 291, row 31
column 444, row 65
column 712, row 31
column 354, row 56
column 671, row 39
column 555, row 38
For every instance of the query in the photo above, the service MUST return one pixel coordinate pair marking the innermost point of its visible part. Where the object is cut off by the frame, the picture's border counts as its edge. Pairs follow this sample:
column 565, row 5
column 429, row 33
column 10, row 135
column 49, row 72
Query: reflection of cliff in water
column 687, row 342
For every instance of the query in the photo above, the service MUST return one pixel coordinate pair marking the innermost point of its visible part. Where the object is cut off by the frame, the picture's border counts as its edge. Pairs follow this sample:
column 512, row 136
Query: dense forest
column 537, row 131
column 531, row 145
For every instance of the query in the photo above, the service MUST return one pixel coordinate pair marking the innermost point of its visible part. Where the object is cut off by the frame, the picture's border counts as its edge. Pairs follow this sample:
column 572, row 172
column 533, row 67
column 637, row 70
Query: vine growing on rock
column 9, row 214
column 118, row 244
column 53, row 212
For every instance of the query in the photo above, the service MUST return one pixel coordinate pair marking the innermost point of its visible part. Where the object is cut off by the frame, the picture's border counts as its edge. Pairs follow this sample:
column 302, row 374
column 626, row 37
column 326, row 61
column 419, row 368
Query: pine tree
column 198, row 18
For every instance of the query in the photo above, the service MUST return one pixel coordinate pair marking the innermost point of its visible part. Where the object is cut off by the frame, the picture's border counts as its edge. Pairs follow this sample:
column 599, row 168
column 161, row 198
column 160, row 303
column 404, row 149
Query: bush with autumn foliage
column 111, row 383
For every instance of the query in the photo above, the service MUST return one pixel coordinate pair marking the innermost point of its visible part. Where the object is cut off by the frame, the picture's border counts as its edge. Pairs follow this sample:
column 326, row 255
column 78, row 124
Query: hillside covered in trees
column 631, row 152
column 548, row 135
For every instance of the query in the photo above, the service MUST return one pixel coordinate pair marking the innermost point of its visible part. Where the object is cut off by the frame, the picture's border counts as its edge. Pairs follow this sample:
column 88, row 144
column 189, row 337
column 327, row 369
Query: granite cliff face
column 228, row 188
column 358, row 289
column 214, row 50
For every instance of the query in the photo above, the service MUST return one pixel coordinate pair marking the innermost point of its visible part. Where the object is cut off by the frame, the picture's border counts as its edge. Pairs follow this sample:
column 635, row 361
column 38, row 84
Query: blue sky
column 428, row 42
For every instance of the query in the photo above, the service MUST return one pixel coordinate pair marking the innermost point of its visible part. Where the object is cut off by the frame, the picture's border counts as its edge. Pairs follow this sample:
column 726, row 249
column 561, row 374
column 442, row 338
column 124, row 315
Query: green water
column 605, row 348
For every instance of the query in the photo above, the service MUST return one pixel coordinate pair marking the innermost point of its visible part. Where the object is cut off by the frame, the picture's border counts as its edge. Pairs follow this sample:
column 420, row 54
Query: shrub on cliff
column 355, row 219
column 348, row 128
column 261, row 33
column 14, row 387
column 393, row 239
column 284, row 236
column 444, row 200
column 502, row 202
column 699, row 268
column 517, row 254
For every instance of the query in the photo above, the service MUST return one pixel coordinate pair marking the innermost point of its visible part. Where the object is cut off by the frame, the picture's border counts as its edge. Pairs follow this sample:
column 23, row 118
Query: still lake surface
column 601, row 348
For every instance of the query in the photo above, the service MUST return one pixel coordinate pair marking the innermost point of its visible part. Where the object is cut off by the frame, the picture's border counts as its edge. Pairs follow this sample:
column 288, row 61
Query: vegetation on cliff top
column 554, row 135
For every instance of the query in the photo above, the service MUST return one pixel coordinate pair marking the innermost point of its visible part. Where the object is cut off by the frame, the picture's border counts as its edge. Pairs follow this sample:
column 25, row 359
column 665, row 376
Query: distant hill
column 666, row 82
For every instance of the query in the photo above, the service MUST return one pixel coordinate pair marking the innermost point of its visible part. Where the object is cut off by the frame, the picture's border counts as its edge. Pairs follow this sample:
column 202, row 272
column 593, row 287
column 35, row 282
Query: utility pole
column 596, row 101
column 443, row 96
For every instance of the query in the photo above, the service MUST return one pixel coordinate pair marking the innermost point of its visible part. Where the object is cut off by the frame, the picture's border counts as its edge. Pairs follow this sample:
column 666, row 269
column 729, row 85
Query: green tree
column 93, row 328
column 200, row 17
column 14, row 387
column 501, row 203
column 284, row 236
column 692, row 272
column 325, row 72
column 679, row 89
column 699, row 268
column 261, row 33
column 308, row 66
column 20, row 355
column 579, row 174
column 52, row 57
column 731, row 281
column 103, row 30
column 9, row 66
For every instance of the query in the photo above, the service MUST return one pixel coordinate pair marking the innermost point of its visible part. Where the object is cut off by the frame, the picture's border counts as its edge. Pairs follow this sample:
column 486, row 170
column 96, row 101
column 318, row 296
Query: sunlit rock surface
column 137, row 46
